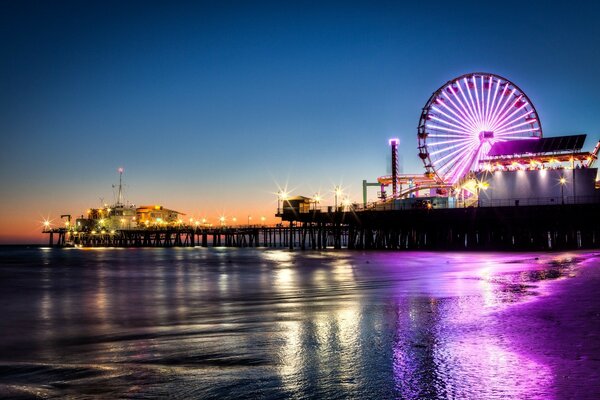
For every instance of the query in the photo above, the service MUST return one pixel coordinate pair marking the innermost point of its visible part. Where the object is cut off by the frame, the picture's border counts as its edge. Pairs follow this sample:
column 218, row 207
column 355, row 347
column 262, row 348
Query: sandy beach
column 561, row 329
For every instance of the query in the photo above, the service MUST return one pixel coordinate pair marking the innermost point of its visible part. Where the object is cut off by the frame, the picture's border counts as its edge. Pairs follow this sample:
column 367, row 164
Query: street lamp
column 316, row 200
column 282, row 196
column 278, row 201
column 222, row 220
column 249, row 219
column 346, row 203
column 338, row 192
column 563, row 182
column 262, row 219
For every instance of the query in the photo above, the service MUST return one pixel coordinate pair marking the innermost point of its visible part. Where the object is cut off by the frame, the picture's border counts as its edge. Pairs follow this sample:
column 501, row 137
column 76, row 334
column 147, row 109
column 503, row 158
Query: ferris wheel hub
column 484, row 135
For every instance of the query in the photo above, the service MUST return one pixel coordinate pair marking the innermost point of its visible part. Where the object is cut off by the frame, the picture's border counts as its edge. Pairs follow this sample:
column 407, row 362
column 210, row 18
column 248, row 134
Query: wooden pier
column 303, row 236
column 556, row 227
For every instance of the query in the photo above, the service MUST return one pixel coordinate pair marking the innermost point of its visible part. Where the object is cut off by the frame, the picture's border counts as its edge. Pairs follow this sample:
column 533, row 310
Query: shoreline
column 560, row 327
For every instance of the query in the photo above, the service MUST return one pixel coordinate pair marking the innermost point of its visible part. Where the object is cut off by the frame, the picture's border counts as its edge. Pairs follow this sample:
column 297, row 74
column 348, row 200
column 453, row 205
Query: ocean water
column 229, row 323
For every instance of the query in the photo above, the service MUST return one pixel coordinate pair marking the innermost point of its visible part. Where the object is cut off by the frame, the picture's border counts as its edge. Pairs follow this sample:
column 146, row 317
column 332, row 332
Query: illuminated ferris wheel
column 466, row 116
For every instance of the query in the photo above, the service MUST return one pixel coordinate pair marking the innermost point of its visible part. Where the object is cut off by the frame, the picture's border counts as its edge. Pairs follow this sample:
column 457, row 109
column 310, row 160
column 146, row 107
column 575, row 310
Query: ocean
column 231, row 323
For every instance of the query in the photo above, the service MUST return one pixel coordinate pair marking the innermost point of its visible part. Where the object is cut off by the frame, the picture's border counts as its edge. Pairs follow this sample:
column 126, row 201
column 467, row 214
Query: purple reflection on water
column 229, row 323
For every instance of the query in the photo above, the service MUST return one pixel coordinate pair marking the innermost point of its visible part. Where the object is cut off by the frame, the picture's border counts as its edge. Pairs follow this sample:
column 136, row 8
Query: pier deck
column 569, row 226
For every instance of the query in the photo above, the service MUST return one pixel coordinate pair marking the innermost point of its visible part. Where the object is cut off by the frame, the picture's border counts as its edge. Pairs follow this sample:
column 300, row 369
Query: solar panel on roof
column 537, row 146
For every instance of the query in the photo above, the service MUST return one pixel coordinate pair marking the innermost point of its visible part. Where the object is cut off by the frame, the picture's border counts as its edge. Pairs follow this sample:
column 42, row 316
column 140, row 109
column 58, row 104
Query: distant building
column 156, row 215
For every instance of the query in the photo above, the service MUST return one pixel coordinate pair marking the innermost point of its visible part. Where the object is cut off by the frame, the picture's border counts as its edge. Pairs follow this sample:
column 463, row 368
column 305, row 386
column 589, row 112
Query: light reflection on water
column 226, row 323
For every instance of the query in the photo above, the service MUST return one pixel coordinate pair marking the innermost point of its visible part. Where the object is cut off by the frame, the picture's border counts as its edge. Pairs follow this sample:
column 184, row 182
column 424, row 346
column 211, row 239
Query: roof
column 537, row 146
column 298, row 198
column 157, row 208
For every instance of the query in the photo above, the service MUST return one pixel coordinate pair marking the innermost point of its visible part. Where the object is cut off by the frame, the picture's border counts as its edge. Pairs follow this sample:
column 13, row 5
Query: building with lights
column 157, row 215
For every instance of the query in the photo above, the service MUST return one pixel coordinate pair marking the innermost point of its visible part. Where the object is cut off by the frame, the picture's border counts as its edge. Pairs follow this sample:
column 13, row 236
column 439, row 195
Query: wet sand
column 561, row 329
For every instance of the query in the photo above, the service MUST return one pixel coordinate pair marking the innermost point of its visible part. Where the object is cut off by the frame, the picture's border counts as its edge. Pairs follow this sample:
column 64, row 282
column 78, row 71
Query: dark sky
column 210, row 106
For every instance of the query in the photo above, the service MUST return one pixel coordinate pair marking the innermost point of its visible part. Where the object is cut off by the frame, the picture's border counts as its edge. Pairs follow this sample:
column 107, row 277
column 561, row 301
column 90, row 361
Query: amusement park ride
column 478, row 122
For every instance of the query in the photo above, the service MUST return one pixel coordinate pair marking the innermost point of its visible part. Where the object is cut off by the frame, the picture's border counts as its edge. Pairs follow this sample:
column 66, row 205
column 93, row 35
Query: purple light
column 452, row 118
column 502, row 124
column 479, row 105
column 451, row 124
column 471, row 104
column 448, row 129
column 462, row 110
column 508, row 128
column 503, row 109
column 476, row 111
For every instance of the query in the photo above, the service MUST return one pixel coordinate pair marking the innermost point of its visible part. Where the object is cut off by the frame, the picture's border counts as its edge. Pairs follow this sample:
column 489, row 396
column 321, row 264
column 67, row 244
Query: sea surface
column 229, row 323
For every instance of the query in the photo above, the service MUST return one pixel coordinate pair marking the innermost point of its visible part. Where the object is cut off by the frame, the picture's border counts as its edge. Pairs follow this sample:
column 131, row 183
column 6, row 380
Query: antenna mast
column 120, row 193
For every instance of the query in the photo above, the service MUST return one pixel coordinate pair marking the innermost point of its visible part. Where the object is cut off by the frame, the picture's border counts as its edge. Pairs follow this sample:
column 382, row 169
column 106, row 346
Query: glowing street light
column 316, row 200
column 346, row 203
column 249, row 219
column 262, row 219
column 338, row 192
column 563, row 182
column 282, row 196
column 222, row 220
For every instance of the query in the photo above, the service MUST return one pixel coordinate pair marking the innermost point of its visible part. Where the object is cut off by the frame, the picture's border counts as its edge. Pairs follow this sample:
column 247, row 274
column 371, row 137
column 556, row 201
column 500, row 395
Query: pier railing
column 443, row 203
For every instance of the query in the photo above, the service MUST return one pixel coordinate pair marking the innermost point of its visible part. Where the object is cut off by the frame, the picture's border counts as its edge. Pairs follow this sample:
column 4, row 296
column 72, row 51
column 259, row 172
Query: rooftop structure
column 551, row 145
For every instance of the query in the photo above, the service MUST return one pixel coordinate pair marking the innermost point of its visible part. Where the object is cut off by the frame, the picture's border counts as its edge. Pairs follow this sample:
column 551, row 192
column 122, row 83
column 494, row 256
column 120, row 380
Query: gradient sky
column 209, row 107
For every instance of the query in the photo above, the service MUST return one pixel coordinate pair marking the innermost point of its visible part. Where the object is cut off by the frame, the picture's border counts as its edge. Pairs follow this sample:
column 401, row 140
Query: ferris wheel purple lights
column 465, row 117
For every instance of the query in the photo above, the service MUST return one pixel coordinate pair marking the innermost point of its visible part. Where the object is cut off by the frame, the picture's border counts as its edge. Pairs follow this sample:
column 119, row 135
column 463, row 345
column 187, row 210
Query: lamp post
column 316, row 200
column 346, row 204
column 278, row 201
column 281, row 198
column 262, row 220
column 249, row 218
column 563, row 182
column 338, row 192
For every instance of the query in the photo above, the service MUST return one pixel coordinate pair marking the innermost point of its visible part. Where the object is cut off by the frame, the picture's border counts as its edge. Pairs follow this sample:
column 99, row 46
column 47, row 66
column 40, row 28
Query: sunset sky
column 210, row 108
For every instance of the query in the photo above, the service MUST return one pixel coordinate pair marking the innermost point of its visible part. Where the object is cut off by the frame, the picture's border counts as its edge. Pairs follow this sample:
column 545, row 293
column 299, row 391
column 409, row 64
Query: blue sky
column 209, row 106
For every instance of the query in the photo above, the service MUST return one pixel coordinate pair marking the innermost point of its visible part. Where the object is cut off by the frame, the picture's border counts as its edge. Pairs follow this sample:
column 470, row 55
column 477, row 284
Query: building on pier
column 157, row 215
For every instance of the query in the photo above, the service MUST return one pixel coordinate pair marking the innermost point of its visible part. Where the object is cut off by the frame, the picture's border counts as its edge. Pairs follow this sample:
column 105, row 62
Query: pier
column 540, row 227
column 293, row 236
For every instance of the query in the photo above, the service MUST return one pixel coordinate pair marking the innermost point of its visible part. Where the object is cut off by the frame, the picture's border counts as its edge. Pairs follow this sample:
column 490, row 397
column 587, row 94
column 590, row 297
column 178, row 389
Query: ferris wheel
column 466, row 116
